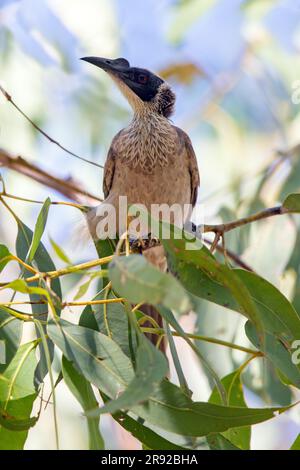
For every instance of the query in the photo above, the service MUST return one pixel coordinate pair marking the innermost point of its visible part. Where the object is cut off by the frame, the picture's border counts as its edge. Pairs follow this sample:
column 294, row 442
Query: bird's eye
column 142, row 78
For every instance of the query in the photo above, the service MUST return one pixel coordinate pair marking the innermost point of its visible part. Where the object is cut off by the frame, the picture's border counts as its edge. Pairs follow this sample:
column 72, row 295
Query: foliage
column 108, row 349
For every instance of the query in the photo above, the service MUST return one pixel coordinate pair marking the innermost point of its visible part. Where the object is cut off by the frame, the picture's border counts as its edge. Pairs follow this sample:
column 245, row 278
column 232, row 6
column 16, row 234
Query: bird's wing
column 192, row 163
column 109, row 167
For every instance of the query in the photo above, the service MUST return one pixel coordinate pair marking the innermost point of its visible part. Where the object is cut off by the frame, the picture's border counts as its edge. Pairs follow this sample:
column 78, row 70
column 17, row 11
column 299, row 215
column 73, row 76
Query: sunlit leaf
column 136, row 279
column 4, row 256
column 151, row 368
column 17, row 395
column 279, row 354
column 39, row 229
column 10, row 333
column 292, row 203
column 240, row 437
column 83, row 392
column 296, row 443
column 59, row 251
column 219, row 442
column 44, row 263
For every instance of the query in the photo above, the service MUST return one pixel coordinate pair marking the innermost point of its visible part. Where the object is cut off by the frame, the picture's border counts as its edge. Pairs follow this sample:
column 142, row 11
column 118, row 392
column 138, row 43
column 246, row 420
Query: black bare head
column 138, row 85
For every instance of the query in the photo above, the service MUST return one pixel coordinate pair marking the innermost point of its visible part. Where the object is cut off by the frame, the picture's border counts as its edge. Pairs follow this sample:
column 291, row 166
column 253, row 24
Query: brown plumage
column 150, row 161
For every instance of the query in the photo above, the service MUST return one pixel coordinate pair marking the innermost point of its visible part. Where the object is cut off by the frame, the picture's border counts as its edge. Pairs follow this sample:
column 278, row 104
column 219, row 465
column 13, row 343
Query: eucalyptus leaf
column 292, row 203
column 239, row 437
column 38, row 230
column 10, row 333
column 44, row 263
column 4, row 257
column 151, row 368
column 83, row 392
column 136, row 279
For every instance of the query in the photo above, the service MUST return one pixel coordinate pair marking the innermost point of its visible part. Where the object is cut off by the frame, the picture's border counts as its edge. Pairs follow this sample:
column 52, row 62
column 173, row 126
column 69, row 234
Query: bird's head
column 143, row 89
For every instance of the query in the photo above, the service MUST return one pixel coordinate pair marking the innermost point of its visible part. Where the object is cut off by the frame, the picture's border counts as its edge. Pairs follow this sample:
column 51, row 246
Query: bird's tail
column 152, row 312
column 157, row 257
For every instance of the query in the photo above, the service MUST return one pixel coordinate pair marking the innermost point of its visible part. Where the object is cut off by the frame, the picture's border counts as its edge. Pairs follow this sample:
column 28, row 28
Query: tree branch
column 220, row 229
column 68, row 188
column 231, row 255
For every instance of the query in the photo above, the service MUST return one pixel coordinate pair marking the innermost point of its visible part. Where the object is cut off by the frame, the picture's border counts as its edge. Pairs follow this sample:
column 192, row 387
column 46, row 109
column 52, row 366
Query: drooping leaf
column 151, row 368
column 83, row 392
column 239, row 437
column 181, row 251
column 59, row 251
column 275, row 312
column 4, row 257
column 173, row 411
column 136, row 279
column 17, row 379
column 95, row 356
column 219, row 442
column 39, row 230
column 278, row 353
column 169, row 317
column 17, row 395
column 14, row 424
column 145, row 435
column 102, row 362
column 292, row 203
column 10, row 333
column 112, row 320
column 44, row 263
column 296, row 443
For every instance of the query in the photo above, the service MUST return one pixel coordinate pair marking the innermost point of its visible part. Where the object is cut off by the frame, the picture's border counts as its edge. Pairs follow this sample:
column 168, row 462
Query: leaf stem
column 208, row 339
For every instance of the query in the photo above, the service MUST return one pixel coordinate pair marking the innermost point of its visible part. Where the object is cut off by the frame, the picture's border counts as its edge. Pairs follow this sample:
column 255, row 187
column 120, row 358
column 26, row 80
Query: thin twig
column 208, row 339
column 34, row 201
column 68, row 188
column 220, row 229
column 231, row 255
column 41, row 131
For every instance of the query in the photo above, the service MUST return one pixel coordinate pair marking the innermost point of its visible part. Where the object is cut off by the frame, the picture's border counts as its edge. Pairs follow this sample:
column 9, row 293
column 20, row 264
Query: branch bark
column 220, row 229
column 67, row 187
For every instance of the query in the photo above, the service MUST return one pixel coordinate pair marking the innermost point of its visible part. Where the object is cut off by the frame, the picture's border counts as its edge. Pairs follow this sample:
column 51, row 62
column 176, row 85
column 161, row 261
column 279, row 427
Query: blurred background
column 235, row 68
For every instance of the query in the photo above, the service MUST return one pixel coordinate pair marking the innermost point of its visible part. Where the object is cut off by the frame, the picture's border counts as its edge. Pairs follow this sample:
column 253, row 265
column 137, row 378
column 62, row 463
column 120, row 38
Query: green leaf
column 151, row 368
column 102, row 362
column 181, row 252
column 39, row 230
column 84, row 394
column 13, row 430
column 136, row 279
column 4, row 257
column 17, row 395
column 44, row 263
column 98, row 358
column 112, row 321
column 59, row 251
column 278, row 353
column 296, row 443
column 240, row 437
column 145, row 435
column 173, row 411
column 292, row 203
column 17, row 380
column 276, row 313
column 219, row 442
column 169, row 317
column 10, row 332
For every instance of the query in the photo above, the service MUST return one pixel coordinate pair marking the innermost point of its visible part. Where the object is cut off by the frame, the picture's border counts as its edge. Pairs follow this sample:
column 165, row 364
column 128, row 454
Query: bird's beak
column 117, row 67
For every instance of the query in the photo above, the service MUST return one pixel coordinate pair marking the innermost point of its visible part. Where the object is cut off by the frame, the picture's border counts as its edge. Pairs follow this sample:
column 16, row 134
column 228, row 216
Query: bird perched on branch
column 150, row 161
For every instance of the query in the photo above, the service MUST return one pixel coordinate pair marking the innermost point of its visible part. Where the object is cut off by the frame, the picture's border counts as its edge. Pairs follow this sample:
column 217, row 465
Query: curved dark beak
column 114, row 66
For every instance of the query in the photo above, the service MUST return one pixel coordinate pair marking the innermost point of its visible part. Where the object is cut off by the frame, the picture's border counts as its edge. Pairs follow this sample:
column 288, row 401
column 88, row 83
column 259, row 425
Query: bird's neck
column 148, row 141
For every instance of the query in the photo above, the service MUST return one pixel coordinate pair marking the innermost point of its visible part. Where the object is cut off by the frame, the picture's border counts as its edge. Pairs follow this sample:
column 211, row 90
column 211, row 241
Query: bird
column 151, row 161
